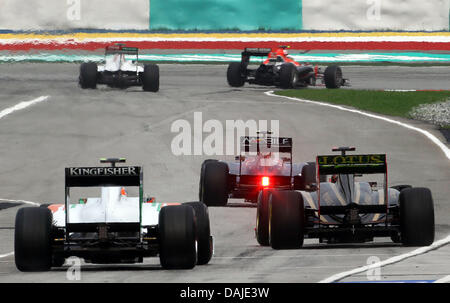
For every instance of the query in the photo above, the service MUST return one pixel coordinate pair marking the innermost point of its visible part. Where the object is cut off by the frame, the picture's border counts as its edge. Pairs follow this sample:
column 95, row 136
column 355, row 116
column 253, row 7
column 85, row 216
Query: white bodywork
column 117, row 62
column 111, row 207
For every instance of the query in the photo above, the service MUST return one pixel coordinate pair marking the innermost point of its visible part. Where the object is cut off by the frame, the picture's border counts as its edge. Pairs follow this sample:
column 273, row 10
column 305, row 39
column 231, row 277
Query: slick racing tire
column 286, row 220
column 32, row 239
column 333, row 76
column 202, row 177
column 88, row 75
column 215, row 184
column 150, row 78
column 204, row 239
column 234, row 75
column 416, row 217
column 262, row 218
column 177, row 237
column 288, row 75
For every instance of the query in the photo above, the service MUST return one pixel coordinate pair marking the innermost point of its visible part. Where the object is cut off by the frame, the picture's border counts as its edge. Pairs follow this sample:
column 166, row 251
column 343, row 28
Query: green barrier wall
column 244, row 15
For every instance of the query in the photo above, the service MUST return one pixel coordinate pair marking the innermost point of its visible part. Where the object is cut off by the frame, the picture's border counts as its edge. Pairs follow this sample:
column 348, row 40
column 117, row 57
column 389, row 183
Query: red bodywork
column 283, row 53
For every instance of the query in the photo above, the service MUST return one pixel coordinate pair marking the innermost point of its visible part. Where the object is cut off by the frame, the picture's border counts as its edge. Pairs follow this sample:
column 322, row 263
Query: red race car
column 281, row 70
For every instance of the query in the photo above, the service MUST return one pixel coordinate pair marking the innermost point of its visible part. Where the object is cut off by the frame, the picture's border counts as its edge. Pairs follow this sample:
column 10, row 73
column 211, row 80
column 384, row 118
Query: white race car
column 118, row 71
column 112, row 228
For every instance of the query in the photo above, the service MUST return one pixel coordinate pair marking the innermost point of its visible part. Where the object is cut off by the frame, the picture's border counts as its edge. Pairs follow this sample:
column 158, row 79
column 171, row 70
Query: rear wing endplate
column 103, row 176
column 352, row 164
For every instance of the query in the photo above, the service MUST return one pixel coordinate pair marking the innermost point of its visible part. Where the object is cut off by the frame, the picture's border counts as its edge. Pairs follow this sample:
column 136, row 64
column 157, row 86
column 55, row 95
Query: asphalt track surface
column 75, row 127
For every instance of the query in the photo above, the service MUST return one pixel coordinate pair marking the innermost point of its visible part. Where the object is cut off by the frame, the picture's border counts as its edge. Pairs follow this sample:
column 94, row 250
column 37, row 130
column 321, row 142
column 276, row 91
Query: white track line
column 4, row 113
column 7, row 255
column 396, row 259
column 21, row 201
column 430, row 136
column 401, row 257
column 21, row 105
column 10, row 110
column 443, row 280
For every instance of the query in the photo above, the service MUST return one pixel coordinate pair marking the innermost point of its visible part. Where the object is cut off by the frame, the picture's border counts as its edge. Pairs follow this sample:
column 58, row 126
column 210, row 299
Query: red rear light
column 265, row 181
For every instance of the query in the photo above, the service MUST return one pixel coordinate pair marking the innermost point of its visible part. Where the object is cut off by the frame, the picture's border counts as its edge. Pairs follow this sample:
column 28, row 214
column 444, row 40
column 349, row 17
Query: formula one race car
column 264, row 162
column 281, row 70
column 117, row 71
column 112, row 228
column 349, row 210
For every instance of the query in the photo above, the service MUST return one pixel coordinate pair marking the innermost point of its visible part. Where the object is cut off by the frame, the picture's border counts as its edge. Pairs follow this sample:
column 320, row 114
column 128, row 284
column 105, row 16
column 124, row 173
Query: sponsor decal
column 351, row 159
column 103, row 171
column 269, row 141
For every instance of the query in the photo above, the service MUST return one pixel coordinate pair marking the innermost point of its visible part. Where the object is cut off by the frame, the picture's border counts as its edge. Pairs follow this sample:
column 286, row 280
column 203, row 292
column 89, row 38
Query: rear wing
column 275, row 144
column 352, row 164
column 256, row 52
column 103, row 176
column 118, row 49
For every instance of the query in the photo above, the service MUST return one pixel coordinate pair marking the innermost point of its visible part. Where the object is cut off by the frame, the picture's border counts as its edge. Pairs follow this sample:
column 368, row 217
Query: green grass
column 388, row 103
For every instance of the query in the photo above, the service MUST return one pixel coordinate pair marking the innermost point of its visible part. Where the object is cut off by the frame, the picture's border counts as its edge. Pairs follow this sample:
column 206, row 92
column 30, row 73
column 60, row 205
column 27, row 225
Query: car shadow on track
column 107, row 268
column 351, row 245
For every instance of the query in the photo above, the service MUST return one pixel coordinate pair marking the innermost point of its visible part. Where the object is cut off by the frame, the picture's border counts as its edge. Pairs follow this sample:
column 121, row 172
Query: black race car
column 348, row 209
column 281, row 70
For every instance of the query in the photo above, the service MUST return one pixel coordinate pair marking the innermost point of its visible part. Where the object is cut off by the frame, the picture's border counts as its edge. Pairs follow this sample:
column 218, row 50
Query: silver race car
column 120, row 71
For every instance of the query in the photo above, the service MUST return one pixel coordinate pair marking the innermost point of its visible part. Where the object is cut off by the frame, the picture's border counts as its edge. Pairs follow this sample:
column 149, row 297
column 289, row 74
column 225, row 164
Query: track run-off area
column 48, row 123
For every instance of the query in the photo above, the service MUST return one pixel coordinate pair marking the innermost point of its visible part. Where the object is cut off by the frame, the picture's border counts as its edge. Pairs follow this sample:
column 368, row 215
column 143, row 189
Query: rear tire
column 202, row 177
column 177, row 237
column 88, row 75
column 214, row 191
column 416, row 217
column 333, row 76
column 204, row 239
column 286, row 220
column 288, row 76
column 262, row 218
column 150, row 78
column 32, row 239
column 234, row 75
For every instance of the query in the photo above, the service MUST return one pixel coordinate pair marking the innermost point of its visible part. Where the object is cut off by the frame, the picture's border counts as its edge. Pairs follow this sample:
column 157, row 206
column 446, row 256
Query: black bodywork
column 269, row 74
column 349, row 225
